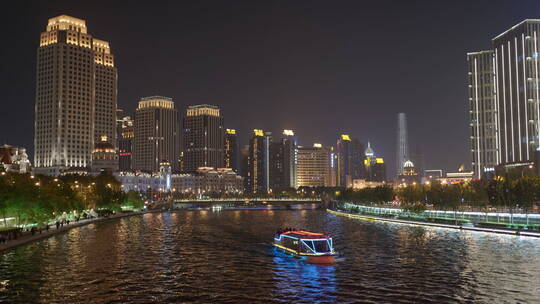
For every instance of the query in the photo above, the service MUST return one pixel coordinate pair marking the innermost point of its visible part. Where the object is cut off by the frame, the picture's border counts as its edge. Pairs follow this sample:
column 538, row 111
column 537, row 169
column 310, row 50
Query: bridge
column 250, row 200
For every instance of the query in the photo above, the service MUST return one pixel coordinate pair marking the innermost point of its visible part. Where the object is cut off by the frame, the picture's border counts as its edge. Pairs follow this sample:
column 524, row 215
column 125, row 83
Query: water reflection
column 227, row 257
column 302, row 282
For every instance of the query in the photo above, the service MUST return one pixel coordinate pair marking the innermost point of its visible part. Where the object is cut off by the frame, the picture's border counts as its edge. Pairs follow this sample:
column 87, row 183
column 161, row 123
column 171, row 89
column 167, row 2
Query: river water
column 226, row 257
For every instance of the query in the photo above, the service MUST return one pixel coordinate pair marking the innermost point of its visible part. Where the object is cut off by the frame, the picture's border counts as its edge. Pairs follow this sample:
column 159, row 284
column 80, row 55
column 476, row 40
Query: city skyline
column 346, row 102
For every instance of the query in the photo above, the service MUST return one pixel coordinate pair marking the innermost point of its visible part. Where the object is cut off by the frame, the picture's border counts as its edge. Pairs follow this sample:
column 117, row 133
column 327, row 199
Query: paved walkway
column 375, row 218
column 27, row 237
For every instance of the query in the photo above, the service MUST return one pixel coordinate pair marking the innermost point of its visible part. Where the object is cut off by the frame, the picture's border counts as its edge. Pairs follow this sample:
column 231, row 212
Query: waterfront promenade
column 416, row 223
column 28, row 237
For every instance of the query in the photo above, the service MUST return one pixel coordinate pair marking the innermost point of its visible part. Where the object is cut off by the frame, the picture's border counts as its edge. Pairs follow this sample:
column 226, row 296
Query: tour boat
column 315, row 248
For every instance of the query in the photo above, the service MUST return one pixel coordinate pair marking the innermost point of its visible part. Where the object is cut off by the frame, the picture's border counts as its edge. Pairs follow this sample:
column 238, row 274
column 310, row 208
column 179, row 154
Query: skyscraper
column 258, row 162
column 290, row 143
column 482, row 113
column 230, row 150
column 125, row 144
column 75, row 96
column 156, row 130
column 402, row 151
column 203, row 138
column 350, row 154
column 374, row 166
column 517, row 80
column 313, row 167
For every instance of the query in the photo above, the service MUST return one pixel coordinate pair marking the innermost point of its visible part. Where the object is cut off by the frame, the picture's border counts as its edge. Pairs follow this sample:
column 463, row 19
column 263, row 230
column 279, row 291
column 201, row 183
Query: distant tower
column 402, row 153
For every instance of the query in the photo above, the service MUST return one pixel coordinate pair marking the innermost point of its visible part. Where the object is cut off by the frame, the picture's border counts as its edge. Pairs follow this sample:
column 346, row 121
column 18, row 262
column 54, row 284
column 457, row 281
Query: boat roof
column 306, row 234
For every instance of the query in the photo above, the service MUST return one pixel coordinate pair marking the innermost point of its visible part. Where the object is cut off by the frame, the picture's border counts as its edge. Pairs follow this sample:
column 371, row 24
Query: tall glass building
column 482, row 112
column 517, row 83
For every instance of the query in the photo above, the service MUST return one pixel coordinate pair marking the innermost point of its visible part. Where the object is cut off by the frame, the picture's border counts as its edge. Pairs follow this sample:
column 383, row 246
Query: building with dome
column 375, row 167
column 14, row 159
column 408, row 176
column 104, row 157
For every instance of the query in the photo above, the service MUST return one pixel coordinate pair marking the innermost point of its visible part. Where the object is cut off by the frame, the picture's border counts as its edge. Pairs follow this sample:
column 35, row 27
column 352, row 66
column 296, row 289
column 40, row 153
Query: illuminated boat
column 315, row 248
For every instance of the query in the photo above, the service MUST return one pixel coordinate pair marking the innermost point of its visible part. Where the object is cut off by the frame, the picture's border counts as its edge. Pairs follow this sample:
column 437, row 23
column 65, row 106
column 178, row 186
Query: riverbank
column 406, row 222
column 27, row 237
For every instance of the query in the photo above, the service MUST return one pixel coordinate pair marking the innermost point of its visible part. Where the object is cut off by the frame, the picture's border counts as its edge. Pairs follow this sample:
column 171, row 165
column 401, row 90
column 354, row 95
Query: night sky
column 320, row 68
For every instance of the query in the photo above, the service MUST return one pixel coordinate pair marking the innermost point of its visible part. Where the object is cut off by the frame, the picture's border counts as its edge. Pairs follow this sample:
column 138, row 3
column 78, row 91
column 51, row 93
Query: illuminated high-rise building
column 75, row 96
column 349, row 160
column 375, row 167
column 259, row 162
column 230, row 151
column 203, row 138
column 313, row 167
column 289, row 142
column 482, row 112
column 156, row 134
column 125, row 143
column 402, row 146
column 517, row 66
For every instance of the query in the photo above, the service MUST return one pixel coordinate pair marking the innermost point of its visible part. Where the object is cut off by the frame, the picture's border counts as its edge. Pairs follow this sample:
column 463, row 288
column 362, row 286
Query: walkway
column 375, row 218
column 27, row 237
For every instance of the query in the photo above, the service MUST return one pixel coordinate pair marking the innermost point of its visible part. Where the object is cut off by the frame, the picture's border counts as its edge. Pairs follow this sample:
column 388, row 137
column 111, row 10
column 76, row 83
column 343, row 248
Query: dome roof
column 104, row 146
column 408, row 164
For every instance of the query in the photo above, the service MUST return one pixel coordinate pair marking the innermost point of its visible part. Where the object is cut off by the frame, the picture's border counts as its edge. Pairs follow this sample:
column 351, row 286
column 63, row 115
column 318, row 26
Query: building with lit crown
column 14, row 159
column 203, row 138
column 313, row 166
column 76, row 95
column 104, row 157
column 156, row 134
column 126, row 133
column 375, row 167
column 231, row 151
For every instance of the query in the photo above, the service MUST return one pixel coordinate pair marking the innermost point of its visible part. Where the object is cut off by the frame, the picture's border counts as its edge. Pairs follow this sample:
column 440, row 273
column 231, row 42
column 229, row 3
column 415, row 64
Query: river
column 226, row 257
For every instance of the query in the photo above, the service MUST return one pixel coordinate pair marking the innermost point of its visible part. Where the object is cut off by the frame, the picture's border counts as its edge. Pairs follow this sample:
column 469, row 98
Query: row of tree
column 40, row 199
column 521, row 193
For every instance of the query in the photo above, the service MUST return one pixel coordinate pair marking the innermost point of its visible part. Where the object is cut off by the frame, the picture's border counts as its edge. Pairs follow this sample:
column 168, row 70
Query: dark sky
column 318, row 67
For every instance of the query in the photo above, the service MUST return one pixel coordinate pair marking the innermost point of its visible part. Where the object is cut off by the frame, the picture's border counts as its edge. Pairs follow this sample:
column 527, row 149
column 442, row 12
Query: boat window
column 309, row 245
column 321, row 246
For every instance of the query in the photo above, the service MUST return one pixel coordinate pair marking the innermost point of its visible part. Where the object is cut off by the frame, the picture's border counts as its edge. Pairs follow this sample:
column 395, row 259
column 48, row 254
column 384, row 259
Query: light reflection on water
column 297, row 279
column 227, row 257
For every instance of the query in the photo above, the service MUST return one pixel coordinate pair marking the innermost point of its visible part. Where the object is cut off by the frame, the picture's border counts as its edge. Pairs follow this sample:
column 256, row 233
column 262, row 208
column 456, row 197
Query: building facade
column 75, row 95
column 517, row 80
column 258, row 162
column 204, row 181
column 230, row 151
column 375, row 167
column 156, row 134
column 482, row 112
column 313, row 167
column 350, row 155
column 14, row 159
column 126, row 134
column 203, row 138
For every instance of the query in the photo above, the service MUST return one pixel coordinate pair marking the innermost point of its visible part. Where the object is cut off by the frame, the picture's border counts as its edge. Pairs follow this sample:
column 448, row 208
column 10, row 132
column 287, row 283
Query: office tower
column 375, row 167
column 230, row 150
column 402, row 147
column 156, row 131
column 517, row 80
column 125, row 144
column 482, row 113
column 75, row 96
column 203, row 138
column 258, row 161
column 244, row 167
column 349, row 160
column 289, row 143
column 276, row 166
column 332, row 180
column 313, row 167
